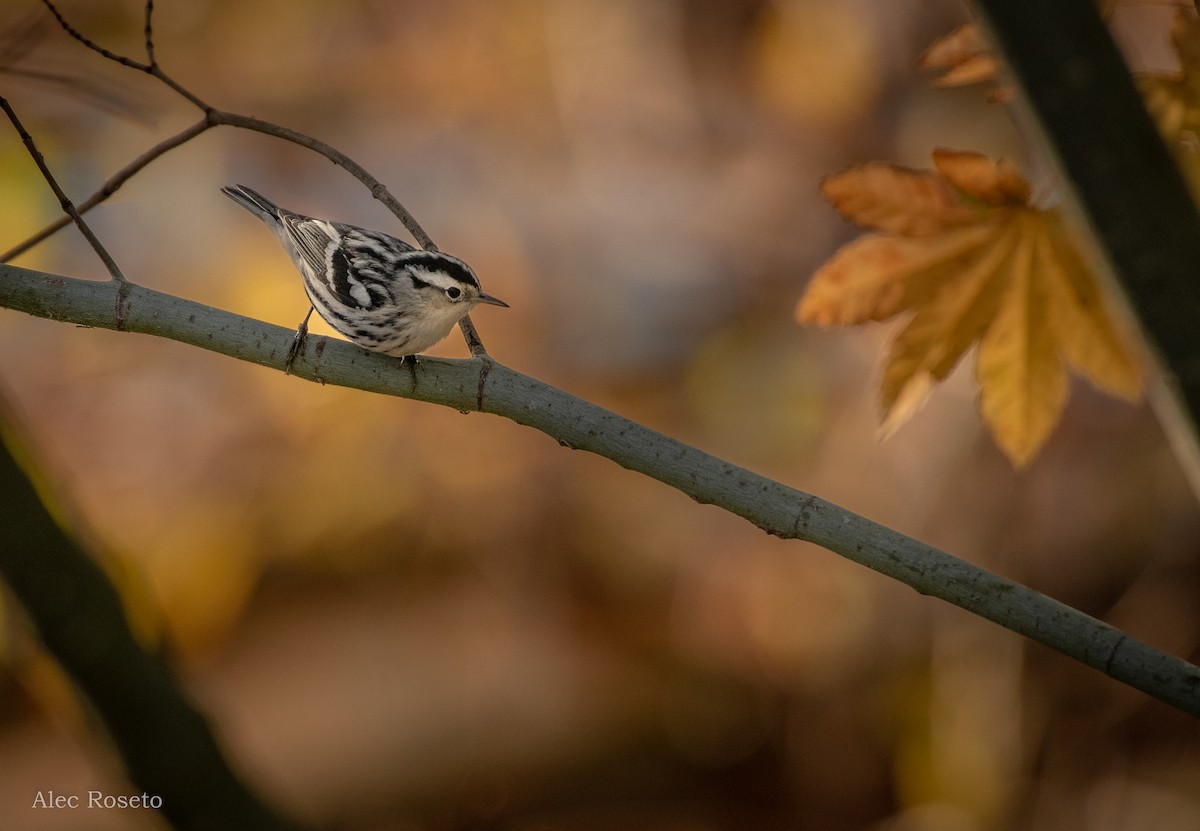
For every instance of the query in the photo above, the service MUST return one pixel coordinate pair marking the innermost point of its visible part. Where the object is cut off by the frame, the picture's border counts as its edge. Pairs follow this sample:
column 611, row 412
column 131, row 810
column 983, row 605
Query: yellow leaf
column 973, row 70
column 994, row 181
column 1090, row 339
column 962, row 44
column 1022, row 379
column 963, row 57
column 1185, row 36
column 904, row 403
column 1173, row 99
column 896, row 200
column 877, row 276
column 943, row 328
column 1009, row 279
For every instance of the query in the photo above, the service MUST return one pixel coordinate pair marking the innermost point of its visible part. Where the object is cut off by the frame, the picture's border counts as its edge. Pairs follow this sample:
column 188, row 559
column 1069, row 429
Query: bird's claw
column 296, row 347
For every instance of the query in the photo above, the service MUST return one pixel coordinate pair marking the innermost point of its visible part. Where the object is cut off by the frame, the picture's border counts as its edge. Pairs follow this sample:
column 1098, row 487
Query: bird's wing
column 353, row 264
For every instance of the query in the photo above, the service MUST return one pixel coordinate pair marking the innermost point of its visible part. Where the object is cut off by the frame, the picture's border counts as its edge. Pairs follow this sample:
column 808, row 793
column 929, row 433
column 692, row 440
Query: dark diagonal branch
column 1120, row 176
column 168, row 749
column 773, row 507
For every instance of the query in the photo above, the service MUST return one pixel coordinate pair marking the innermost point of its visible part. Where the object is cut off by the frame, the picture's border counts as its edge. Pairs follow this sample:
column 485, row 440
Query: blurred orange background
column 400, row 617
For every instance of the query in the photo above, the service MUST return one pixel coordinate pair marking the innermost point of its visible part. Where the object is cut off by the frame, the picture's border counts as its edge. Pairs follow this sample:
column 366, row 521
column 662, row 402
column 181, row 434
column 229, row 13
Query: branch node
column 121, row 313
column 1112, row 655
column 485, row 369
column 804, row 512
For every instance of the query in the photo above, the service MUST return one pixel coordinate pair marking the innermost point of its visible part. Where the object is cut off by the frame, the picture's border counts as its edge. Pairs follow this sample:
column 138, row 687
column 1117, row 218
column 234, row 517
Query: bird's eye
column 454, row 292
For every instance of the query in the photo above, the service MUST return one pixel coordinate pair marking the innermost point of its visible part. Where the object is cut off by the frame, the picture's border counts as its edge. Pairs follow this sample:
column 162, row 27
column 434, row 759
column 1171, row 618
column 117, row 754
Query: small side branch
column 91, row 44
column 63, row 199
column 149, row 34
column 214, row 117
column 111, row 186
column 377, row 188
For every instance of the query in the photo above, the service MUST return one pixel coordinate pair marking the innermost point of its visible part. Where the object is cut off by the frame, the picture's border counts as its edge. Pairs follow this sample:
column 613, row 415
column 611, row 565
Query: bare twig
column 111, row 185
column 63, row 199
column 150, row 33
column 377, row 188
column 214, row 117
column 91, row 44
column 150, row 68
column 472, row 335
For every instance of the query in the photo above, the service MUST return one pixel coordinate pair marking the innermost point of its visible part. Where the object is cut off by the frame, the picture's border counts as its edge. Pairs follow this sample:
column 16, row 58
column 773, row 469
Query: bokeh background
column 400, row 617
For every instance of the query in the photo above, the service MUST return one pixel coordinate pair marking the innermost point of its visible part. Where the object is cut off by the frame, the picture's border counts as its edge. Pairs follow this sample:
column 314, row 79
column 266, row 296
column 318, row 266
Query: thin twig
column 63, row 199
column 377, row 188
column 91, row 44
column 472, row 336
column 215, row 117
column 180, row 89
column 110, row 186
column 150, row 34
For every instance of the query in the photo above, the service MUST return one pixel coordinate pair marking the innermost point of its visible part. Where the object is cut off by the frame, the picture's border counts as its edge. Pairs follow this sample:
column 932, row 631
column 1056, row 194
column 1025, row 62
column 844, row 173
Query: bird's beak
column 492, row 301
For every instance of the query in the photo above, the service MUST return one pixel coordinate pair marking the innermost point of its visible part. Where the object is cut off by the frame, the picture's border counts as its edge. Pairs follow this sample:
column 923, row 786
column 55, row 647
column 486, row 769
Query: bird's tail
column 254, row 202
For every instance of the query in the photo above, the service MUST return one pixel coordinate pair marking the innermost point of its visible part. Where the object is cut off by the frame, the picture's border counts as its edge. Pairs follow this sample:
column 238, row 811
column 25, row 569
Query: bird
column 373, row 288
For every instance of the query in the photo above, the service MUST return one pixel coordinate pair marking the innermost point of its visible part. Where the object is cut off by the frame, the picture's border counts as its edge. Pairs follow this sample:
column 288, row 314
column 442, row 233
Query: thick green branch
column 493, row 388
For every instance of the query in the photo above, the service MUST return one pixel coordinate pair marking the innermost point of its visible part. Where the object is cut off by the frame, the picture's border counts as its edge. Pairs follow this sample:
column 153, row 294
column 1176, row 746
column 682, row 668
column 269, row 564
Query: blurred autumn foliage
column 976, row 257
column 965, row 252
column 399, row 617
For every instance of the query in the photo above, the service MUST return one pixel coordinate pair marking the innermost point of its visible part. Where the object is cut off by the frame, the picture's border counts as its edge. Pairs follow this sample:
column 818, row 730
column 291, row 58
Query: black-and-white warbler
column 375, row 289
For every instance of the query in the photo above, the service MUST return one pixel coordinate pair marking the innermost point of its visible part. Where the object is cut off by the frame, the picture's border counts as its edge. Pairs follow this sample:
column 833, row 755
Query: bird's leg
column 411, row 362
column 297, row 345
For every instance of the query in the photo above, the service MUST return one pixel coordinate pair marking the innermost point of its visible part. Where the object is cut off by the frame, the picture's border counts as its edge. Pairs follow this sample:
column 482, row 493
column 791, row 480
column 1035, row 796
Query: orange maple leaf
column 1173, row 99
column 964, row 58
column 961, row 249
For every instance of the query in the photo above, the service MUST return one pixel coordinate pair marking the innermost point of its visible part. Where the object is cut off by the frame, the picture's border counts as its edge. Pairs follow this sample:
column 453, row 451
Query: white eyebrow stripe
column 437, row 277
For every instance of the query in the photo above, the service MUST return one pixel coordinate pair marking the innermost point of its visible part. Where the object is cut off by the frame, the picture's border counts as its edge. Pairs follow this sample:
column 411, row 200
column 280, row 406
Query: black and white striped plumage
column 375, row 289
